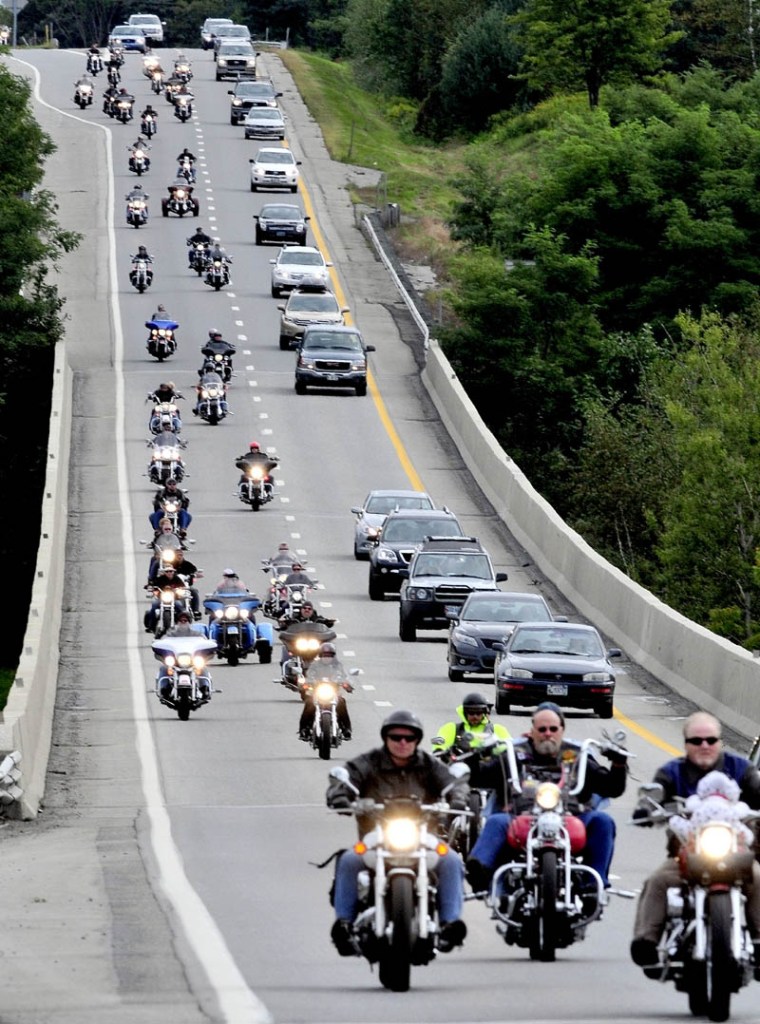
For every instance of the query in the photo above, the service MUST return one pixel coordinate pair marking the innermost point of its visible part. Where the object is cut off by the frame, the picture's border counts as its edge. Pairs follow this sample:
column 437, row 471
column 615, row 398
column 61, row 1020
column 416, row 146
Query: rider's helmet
column 123, row 91
column 402, row 719
column 297, row 567
column 230, row 574
column 255, row 446
column 171, row 480
column 476, row 703
column 327, row 651
column 142, row 251
column 215, row 334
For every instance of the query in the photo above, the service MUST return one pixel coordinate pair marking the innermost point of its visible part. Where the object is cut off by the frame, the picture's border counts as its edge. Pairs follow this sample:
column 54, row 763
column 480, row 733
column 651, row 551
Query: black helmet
column 327, row 651
column 476, row 702
column 404, row 719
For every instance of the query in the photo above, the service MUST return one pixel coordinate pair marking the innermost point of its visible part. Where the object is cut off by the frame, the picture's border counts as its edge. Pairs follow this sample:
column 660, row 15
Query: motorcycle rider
column 703, row 753
column 161, row 314
column 123, row 94
column 165, row 393
column 209, row 377
column 216, row 345
column 301, row 613
column 297, row 577
column 398, row 768
column 173, row 577
column 149, row 112
column 326, row 665
column 284, row 556
column 171, row 491
column 545, row 753
column 139, row 193
column 198, row 238
column 251, row 457
column 230, row 584
column 186, row 155
column 139, row 144
column 84, row 80
column 185, row 626
column 473, row 727
column 217, row 252
column 141, row 254
column 109, row 100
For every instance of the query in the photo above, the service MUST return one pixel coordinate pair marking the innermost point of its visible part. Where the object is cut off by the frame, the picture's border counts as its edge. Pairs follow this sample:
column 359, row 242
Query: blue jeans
column 450, row 873
column 183, row 518
column 491, row 847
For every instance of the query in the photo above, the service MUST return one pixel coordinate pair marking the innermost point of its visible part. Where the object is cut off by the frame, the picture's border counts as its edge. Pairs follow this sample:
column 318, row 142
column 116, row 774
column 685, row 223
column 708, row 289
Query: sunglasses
column 547, row 728
column 697, row 741
column 400, row 737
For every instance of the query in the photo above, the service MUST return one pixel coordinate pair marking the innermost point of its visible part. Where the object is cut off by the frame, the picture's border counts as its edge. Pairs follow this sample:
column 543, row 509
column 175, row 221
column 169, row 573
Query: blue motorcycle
column 161, row 341
column 234, row 630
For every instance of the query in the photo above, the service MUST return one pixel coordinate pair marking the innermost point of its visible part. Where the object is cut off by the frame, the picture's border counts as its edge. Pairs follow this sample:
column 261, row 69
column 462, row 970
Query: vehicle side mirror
column 498, row 646
column 404, row 573
column 357, row 510
column 452, row 616
column 273, row 261
column 614, row 652
column 298, row 164
column 307, row 218
column 281, row 309
column 560, row 618
column 369, row 348
column 501, row 577
column 230, row 92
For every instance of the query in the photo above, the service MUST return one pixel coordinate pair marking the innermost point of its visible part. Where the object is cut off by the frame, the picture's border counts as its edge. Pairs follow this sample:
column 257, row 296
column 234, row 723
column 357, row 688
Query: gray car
column 373, row 510
column 264, row 123
column 402, row 533
column 299, row 266
column 304, row 308
column 332, row 357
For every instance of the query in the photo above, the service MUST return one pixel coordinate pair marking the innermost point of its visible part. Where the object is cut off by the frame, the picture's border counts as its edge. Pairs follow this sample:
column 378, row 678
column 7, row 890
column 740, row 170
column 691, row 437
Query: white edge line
column 237, row 1002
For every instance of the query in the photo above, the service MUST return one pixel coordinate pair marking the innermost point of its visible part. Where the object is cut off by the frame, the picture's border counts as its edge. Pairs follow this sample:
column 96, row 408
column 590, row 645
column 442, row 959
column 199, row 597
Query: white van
column 151, row 26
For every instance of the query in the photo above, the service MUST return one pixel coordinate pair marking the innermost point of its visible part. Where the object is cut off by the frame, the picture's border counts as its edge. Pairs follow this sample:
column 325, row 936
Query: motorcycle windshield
column 316, row 629
column 166, row 325
column 183, row 645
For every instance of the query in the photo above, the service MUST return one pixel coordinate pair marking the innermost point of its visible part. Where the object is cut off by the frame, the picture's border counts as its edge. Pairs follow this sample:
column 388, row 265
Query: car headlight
column 420, row 594
column 358, row 364
column 597, row 677
column 237, row 103
column 520, row 673
column 548, row 796
column 386, row 555
column 401, row 834
column 300, row 228
column 715, row 840
column 464, row 638
column 222, row 62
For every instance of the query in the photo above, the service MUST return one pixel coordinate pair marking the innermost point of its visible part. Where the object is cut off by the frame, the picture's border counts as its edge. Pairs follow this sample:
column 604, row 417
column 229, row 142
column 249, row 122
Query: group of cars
column 330, row 354
column 446, row 580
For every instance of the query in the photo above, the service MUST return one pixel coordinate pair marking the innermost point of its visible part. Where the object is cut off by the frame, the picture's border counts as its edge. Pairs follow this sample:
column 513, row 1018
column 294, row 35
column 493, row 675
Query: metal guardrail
column 10, row 776
column 408, row 299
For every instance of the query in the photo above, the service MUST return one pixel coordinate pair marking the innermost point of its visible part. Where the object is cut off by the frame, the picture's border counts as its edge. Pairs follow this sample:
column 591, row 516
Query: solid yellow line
column 385, row 419
column 645, row 734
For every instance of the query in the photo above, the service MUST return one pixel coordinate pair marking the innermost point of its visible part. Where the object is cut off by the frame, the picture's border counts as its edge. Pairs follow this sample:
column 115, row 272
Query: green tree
column 74, row 22
column 588, row 43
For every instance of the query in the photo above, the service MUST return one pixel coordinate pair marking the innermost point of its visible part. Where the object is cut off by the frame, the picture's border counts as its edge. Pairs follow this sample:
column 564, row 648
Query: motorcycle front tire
column 396, row 955
column 543, row 941
column 325, row 737
column 183, row 708
column 720, row 963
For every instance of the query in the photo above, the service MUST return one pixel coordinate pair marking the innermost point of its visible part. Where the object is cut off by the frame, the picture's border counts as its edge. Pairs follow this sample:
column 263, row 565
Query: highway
column 195, row 842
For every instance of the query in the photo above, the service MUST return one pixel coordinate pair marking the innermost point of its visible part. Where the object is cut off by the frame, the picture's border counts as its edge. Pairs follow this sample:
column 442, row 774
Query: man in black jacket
column 545, row 755
column 398, row 769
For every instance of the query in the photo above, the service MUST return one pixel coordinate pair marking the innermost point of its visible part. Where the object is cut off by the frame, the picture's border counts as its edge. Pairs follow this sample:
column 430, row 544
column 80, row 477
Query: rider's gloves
column 642, row 817
column 340, row 803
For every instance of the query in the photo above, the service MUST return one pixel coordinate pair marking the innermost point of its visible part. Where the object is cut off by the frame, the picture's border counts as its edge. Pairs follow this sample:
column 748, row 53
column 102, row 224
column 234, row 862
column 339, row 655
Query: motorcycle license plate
column 556, row 690
column 232, row 630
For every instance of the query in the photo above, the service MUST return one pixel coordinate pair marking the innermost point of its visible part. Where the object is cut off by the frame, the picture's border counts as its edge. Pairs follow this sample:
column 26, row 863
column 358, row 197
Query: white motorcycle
column 183, row 682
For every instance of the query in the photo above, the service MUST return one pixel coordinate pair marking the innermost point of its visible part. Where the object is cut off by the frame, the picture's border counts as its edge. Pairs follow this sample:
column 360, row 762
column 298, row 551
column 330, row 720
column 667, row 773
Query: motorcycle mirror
column 619, row 736
column 459, row 770
column 653, row 790
column 340, row 774
column 356, row 672
column 437, row 741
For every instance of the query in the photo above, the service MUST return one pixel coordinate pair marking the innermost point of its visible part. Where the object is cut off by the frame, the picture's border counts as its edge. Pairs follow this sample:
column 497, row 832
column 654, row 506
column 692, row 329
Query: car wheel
column 258, row 237
column 361, row 390
column 604, row 708
column 276, row 292
column 233, row 120
column 294, row 188
column 300, row 387
column 501, row 705
column 284, row 343
column 406, row 630
column 456, row 675
column 376, row 590
column 254, row 188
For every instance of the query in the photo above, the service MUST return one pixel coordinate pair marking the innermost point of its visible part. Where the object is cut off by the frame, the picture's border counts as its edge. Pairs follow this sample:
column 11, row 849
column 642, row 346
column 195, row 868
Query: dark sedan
column 561, row 661
column 280, row 222
column 486, row 619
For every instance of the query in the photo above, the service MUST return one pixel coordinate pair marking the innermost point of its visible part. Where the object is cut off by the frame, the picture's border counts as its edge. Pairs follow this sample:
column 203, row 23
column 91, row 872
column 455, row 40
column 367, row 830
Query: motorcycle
column 172, row 601
column 116, row 55
column 169, row 508
column 326, row 733
column 461, row 832
column 94, row 63
column 180, row 201
column 139, row 161
column 218, row 274
column 167, row 549
column 221, row 363
column 164, row 416
column 302, row 641
column 124, row 105
column 276, row 602
column 397, row 923
column 186, row 170
column 157, row 81
column 83, row 92
column 149, row 125
column 151, row 61
column 137, row 213
column 161, row 342
column 233, row 627
column 705, row 949
column 184, row 682
column 254, row 490
column 198, row 256
column 113, row 73
column 545, row 898
column 140, row 276
column 183, row 70
column 166, row 459
column 183, row 106
column 211, row 398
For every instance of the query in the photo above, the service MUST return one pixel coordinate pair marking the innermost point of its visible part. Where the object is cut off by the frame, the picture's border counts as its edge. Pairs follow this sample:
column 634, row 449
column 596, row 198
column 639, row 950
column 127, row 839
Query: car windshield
column 453, row 564
column 333, row 342
column 236, row 50
column 280, row 213
column 300, row 258
column 144, row 19
column 234, row 31
column 265, row 114
column 415, row 530
column 314, row 303
column 124, row 30
column 385, row 503
column 554, row 641
column 275, row 156
column 485, row 609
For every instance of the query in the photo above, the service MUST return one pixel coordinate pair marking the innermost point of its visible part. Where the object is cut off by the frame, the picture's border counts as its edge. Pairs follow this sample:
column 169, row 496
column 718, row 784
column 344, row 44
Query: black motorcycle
column 180, row 201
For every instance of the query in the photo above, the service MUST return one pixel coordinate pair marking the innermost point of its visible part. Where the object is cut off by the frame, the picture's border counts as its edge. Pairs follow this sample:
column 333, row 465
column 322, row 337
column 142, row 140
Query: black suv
column 279, row 222
column 247, row 94
column 402, row 532
column 442, row 574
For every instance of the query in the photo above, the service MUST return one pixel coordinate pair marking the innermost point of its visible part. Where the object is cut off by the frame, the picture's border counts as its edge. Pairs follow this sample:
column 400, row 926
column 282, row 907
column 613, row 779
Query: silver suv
column 299, row 266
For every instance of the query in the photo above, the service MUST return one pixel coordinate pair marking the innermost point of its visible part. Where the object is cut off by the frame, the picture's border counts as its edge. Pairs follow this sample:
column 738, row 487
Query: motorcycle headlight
column 325, row 691
column 219, row 613
column 218, row 358
column 231, row 612
column 167, row 597
column 167, row 557
column 139, row 154
column 548, row 796
column 715, row 841
column 204, row 393
column 256, row 473
column 401, row 834
column 199, row 662
column 185, row 660
column 307, row 644
column 180, row 193
column 170, row 661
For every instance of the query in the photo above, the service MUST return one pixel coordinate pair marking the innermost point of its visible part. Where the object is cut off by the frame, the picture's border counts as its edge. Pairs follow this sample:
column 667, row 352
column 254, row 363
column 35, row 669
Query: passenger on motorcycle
column 325, row 666
column 398, row 768
column 256, row 455
column 284, row 556
column 704, row 753
column 545, row 754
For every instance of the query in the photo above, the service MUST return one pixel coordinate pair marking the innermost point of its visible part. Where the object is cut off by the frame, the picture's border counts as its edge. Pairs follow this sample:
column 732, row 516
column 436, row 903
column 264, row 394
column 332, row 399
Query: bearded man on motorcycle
column 704, row 753
column 545, row 754
column 398, row 768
